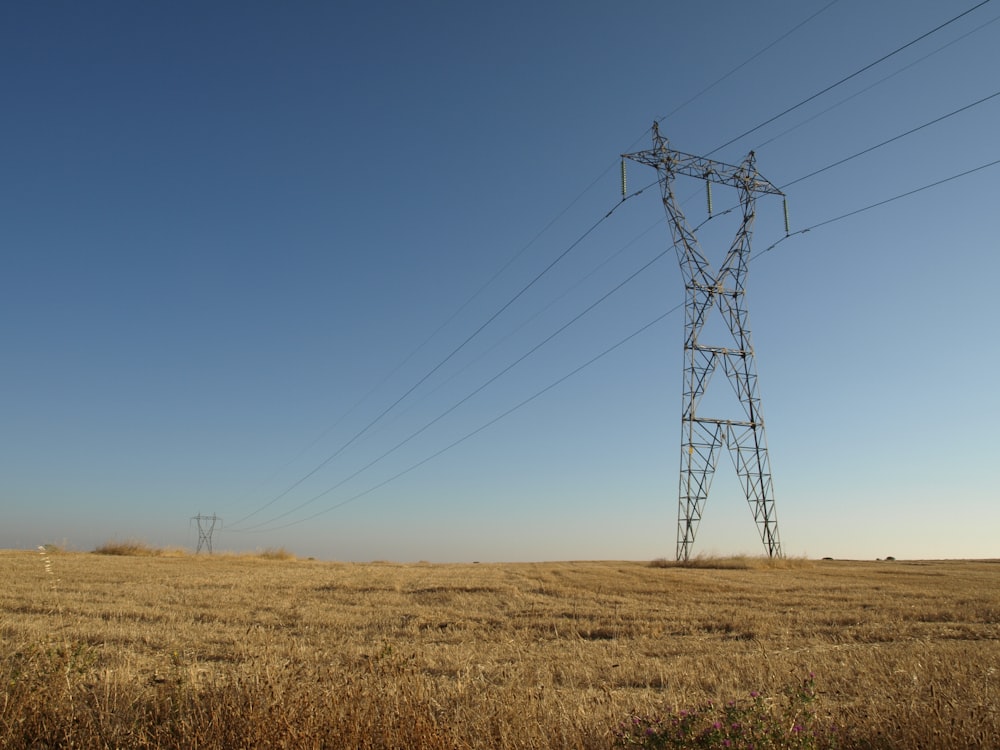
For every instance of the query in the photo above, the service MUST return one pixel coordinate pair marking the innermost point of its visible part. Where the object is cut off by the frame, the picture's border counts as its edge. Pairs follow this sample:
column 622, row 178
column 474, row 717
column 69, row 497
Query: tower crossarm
column 726, row 422
column 722, row 350
column 669, row 162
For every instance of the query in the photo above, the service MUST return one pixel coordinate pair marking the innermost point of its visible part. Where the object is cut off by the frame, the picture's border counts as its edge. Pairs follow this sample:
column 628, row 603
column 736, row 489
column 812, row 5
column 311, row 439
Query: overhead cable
column 534, row 316
column 382, row 414
column 591, row 361
column 488, row 283
column 620, row 285
column 479, row 389
column 879, row 82
column 446, row 359
column 743, row 64
column 877, row 204
column 890, row 140
column 845, row 79
column 482, row 427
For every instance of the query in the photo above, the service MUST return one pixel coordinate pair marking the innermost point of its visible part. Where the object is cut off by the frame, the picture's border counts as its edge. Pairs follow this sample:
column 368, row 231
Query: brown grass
column 224, row 651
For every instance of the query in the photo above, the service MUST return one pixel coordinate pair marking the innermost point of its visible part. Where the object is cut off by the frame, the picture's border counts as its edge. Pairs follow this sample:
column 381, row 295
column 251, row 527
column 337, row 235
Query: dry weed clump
column 225, row 651
column 128, row 548
column 275, row 553
column 791, row 721
column 734, row 562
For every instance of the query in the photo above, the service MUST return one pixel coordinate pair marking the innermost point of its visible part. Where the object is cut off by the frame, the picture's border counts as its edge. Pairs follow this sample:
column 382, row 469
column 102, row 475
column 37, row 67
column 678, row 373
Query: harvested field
column 181, row 651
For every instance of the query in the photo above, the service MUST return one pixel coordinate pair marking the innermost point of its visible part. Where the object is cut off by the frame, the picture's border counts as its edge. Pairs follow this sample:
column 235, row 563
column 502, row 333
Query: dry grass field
column 180, row 651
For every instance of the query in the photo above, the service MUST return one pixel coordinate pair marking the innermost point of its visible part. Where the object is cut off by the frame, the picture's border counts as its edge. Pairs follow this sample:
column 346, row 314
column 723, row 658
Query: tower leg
column 699, row 458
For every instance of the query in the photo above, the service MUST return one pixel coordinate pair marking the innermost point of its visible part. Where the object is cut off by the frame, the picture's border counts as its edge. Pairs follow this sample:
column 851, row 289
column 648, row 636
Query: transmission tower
column 206, row 525
column 702, row 437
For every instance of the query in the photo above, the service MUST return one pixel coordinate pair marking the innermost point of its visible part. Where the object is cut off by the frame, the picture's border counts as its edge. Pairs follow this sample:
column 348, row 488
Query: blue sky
column 234, row 234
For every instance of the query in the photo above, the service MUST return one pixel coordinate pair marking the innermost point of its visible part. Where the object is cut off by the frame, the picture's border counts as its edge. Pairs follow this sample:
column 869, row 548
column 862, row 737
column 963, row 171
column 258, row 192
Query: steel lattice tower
column 206, row 526
column 702, row 437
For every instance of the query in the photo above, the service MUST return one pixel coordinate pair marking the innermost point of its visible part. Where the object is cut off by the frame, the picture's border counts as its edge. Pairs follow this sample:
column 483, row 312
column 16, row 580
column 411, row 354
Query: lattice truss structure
column 206, row 527
column 702, row 436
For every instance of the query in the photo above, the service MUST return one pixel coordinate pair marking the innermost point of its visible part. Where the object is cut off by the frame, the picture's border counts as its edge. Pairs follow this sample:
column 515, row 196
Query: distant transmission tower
column 206, row 525
column 702, row 437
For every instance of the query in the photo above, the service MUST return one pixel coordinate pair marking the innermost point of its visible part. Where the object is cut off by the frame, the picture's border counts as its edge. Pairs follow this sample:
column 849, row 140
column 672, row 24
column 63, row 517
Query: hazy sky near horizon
column 257, row 260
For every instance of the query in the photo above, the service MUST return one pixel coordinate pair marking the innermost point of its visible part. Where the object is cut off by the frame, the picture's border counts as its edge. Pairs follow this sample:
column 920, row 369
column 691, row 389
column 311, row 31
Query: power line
column 879, row 82
column 442, row 362
column 719, row 80
column 485, row 426
column 610, row 349
column 477, row 390
column 479, row 291
column 845, row 79
column 743, row 64
column 604, row 297
column 419, row 347
column 886, row 142
column 549, row 305
column 483, row 386
column 585, row 234
column 716, row 82
column 876, row 205
column 890, row 140
column 608, row 294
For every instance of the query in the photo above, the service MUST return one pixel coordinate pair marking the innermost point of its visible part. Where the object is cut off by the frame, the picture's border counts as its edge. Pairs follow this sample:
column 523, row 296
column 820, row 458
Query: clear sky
column 250, row 248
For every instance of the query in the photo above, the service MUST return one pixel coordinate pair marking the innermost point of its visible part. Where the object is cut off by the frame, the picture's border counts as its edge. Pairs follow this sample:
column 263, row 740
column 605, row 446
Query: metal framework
column 702, row 437
column 206, row 525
